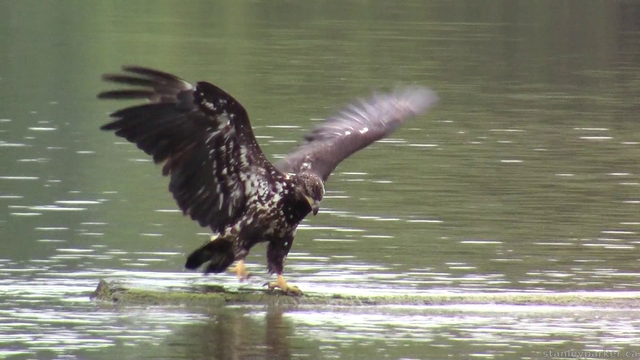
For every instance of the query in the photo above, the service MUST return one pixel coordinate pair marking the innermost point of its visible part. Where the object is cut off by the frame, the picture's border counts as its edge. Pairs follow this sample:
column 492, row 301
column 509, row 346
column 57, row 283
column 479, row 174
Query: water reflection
column 75, row 326
column 239, row 334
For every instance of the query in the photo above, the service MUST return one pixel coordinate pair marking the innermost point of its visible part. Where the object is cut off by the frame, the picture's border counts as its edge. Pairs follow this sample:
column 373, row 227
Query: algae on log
column 220, row 296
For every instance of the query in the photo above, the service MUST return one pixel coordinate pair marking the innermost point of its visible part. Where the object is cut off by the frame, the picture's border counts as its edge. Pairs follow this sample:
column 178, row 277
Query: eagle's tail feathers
column 219, row 253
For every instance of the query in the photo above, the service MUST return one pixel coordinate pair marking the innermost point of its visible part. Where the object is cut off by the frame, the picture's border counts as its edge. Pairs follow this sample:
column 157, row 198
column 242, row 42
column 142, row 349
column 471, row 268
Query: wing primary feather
column 152, row 73
column 129, row 80
column 125, row 94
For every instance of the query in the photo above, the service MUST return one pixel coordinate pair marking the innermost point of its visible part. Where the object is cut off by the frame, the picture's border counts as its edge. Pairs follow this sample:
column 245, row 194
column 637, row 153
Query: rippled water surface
column 524, row 178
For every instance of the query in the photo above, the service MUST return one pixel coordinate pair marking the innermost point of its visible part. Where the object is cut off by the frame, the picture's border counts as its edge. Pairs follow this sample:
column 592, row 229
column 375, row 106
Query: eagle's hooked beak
column 315, row 205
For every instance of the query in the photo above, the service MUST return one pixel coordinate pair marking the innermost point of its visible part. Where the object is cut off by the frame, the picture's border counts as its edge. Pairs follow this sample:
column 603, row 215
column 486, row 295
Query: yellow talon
column 286, row 288
column 241, row 271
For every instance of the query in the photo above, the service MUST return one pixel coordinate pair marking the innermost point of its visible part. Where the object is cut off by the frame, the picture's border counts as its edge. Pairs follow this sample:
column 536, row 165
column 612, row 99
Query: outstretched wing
column 354, row 128
column 201, row 134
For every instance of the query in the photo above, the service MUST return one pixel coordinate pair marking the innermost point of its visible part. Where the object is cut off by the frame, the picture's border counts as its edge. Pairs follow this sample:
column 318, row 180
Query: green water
column 525, row 177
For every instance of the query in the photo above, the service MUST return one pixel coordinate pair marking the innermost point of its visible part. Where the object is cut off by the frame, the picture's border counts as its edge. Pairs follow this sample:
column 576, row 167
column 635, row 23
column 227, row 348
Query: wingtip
column 126, row 94
column 105, row 95
column 133, row 68
column 418, row 98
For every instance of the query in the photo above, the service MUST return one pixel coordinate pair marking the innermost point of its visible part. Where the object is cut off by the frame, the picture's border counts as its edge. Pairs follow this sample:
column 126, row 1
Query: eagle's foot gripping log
column 281, row 283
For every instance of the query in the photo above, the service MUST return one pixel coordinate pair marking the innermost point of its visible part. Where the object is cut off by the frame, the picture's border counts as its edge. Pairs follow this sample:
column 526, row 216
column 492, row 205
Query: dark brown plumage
column 219, row 175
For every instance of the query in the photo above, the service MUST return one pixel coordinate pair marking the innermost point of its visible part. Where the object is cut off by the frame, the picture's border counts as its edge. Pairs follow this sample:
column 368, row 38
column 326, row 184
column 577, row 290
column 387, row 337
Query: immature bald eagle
column 221, row 177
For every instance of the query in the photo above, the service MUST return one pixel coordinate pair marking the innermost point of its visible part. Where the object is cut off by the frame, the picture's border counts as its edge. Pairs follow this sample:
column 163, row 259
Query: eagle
column 221, row 178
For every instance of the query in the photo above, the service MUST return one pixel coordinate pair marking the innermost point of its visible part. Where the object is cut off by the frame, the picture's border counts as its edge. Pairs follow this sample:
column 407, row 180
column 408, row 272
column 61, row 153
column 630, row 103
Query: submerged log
column 113, row 292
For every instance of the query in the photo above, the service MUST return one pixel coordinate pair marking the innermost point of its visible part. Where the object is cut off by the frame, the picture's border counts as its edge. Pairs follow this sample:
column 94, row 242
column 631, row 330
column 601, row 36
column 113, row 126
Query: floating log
column 114, row 292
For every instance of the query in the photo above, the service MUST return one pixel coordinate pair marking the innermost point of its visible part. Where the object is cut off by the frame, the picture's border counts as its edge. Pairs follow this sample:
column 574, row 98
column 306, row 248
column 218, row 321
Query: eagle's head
column 312, row 188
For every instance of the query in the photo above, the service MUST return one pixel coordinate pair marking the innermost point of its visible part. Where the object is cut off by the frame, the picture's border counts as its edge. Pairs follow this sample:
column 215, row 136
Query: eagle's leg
column 240, row 252
column 240, row 270
column 277, row 250
column 286, row 288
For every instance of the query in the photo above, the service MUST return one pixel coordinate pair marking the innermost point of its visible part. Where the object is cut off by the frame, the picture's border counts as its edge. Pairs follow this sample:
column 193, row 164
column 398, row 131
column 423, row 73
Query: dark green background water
column 524, row 178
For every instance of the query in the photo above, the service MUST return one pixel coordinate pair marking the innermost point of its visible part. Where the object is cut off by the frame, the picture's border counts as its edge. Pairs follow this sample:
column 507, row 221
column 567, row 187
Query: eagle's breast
column 294, row 207
column 270, row 199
